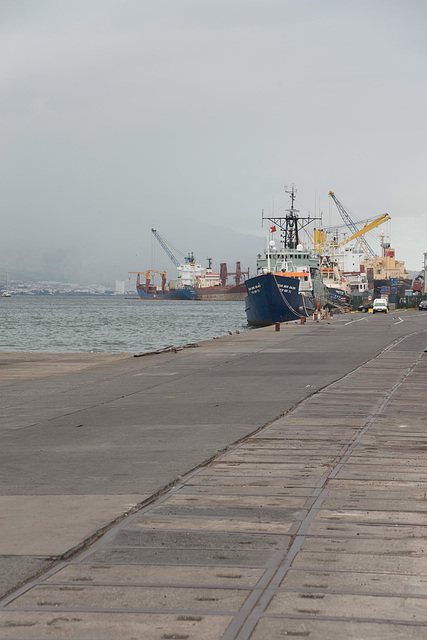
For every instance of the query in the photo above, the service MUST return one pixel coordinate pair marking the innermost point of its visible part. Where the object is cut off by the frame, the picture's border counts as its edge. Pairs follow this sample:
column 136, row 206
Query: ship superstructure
column 189, row 271
column 386, row 275
column 349, row 260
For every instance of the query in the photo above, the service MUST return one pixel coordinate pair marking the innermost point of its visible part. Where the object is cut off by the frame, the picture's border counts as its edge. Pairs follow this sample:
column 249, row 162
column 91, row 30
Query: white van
column 380, row 305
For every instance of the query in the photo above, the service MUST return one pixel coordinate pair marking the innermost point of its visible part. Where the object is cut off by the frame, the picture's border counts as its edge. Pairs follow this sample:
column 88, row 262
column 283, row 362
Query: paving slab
column 278, row 628
column 399, row 546
column 34, row 625
column 355, row 582
column 352, row 605
column 416, row 456
column 245, row 490
column 129, row 537
column 376, row 504
column 393, row 488
column 382, row 474
column 213, row 500
column 103, row 597
column 212, row 478
column 264, row 514
column 200, row 557
column 279, row 457
column 211, row 524
column 351, row 529
column 316, row 469
column 409, row 516
column 399, row 564
column 152, row 575
column 273, row 470
column 383, row 466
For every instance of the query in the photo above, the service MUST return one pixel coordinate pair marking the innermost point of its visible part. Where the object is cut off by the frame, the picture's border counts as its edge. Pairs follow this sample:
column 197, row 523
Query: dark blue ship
column 273, row 297
column 288, row 284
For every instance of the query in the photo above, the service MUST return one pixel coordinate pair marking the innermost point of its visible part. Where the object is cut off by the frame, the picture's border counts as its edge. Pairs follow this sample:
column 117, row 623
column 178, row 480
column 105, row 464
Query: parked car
column 380, row 306
column 422, row 305
column 364, row 308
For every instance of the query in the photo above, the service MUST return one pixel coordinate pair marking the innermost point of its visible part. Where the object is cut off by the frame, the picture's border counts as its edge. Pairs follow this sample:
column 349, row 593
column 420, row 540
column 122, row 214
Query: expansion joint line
column 244, row 624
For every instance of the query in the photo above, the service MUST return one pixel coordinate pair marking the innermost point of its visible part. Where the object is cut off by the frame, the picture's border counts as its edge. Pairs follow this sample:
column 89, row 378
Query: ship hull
column 178, row 294
column 231, row 292
column 274, row 298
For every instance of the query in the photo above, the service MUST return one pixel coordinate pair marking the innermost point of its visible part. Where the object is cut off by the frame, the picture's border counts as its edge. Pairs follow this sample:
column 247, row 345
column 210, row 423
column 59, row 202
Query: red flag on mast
column 272, row 229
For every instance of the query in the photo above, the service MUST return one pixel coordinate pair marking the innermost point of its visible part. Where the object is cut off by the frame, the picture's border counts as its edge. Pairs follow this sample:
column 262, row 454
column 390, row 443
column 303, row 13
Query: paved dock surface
column 314, row 526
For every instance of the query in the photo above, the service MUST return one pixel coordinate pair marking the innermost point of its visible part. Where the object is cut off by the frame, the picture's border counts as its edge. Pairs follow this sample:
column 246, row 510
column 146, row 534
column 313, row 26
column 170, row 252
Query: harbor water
column 81, row 324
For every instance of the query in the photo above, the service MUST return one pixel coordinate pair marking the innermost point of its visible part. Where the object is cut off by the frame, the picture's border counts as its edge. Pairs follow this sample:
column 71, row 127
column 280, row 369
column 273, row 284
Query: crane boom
column 372, row 225
column 351, row 225
column 147, row 275
column 165, row 246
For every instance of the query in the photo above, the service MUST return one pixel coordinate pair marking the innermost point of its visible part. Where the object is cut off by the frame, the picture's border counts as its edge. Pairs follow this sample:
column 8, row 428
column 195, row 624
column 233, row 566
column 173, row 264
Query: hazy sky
column 191, row 116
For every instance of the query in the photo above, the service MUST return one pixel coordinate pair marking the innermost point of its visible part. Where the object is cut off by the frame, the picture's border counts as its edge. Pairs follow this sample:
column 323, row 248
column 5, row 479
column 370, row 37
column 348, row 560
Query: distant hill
column 109, row 257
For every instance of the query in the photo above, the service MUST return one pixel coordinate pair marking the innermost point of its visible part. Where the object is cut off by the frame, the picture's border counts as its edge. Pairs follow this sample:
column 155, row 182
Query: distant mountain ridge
column 109, row 258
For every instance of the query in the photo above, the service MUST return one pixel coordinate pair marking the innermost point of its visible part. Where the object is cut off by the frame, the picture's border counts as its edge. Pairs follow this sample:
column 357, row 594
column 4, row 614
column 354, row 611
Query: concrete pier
column 264, row 485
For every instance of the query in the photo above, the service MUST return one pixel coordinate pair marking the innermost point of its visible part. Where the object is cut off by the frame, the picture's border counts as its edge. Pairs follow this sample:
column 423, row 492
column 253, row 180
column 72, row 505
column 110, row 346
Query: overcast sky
column 192, row 115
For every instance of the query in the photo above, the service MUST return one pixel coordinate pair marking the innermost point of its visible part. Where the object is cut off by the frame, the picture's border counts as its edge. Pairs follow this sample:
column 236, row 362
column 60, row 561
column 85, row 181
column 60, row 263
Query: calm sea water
column 116, row 325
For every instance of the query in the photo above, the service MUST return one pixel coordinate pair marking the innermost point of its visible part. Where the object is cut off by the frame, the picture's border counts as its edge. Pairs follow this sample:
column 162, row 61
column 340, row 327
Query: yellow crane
column 368, row 227
column 320, row 239
column 147, row 275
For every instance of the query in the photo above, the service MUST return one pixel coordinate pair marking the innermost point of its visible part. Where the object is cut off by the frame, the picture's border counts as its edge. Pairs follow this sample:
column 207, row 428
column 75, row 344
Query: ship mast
column 291, row 224
column 290, row 237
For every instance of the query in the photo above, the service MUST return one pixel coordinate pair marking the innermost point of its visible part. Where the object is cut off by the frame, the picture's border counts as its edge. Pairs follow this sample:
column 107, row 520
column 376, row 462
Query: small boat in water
column 288, row 284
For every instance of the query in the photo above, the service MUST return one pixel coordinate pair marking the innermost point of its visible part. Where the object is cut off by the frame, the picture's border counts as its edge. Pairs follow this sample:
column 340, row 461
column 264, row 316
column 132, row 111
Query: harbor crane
column 147, row 275
column 166, row 246
column 351, row 224
column 353, row 227
column 368, row 227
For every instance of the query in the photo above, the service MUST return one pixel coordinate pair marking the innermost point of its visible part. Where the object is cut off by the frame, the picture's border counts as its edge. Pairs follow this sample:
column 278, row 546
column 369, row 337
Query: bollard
column 277, row 326
column 315, row 317
column 302, row 319
column 331, row 313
